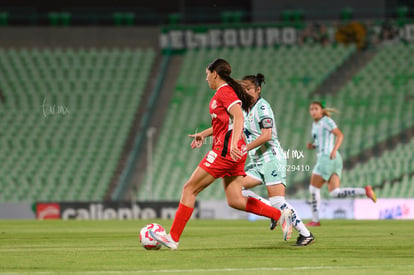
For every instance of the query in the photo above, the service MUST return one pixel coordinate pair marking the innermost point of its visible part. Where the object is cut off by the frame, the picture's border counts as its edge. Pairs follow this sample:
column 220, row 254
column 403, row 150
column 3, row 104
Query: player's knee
column 236, row 203
column 189, row 189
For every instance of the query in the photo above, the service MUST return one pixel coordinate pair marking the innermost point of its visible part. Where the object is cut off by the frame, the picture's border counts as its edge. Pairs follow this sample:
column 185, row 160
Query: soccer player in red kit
column 225, row 160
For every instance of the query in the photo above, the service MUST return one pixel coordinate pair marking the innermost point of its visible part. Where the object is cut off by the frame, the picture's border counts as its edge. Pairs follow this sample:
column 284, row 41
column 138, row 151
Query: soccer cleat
column 165, row 240
column 370, row 193
column 303, row 241
column 273, row 224
column 312, row 223
column 285, row 221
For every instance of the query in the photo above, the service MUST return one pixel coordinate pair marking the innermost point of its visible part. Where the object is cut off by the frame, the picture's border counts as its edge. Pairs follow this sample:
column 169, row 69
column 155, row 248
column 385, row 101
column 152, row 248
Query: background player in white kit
column 327, row 138
column 267, row 159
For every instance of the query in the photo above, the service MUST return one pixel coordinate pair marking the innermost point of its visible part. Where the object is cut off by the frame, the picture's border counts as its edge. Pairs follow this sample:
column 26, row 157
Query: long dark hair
column 223, row 69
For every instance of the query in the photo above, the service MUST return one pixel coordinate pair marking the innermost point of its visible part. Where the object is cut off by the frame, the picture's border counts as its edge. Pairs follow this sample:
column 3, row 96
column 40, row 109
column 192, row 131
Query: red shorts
column 219, row 167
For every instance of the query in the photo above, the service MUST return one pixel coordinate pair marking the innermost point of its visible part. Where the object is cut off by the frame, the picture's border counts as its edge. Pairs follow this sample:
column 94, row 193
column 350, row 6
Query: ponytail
column 245, row 98
column 326, row 111
column 223, row 69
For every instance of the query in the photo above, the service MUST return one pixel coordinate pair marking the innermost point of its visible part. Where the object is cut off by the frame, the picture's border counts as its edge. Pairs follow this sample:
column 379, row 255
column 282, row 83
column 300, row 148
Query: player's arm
column 207, row 132
column 265, row 136
column 198, row 138
column 238, row 120
column 338, row 141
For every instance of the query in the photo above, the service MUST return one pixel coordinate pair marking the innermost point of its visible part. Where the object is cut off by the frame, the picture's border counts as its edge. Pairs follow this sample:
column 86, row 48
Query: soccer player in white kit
column 327, row 138
column 267, row 158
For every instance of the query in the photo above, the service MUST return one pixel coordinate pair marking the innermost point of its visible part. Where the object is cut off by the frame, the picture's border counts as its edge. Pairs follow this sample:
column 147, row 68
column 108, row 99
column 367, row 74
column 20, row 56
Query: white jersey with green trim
column 261, row 116
column 323, row 138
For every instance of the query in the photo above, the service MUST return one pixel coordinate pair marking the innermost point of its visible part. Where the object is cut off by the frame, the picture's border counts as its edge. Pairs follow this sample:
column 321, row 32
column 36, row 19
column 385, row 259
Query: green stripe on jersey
column 271, row 149
column 323, row 139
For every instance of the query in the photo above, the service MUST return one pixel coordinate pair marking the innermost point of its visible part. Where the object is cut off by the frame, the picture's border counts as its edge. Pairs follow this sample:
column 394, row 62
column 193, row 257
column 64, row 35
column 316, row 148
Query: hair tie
column 256, row 82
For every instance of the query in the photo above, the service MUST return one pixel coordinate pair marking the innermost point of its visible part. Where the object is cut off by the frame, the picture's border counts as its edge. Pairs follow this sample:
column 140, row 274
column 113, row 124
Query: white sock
column 280, row 203
column 346, row 192
column 249, row 193
column 316, row 202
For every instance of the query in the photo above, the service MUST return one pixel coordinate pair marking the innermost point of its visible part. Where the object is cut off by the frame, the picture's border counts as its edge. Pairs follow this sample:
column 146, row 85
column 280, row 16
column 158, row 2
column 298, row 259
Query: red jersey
column 224, row 98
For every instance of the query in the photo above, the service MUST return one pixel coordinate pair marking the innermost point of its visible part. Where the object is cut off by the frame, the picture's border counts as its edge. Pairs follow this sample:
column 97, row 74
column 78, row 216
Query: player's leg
column 315, row 190
column 233, row 187
column 336, row 191
column 199, row 180
column 252, row 179
column 249, row 181
column 334, row 183
column 321, row 173
column 250, row 193
column 233, row 190
column 277, row 199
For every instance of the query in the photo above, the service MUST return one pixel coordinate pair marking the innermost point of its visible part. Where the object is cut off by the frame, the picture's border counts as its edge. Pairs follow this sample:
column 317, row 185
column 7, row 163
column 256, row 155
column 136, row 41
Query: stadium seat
column 287, row 87
column 4, row 18
column 392, row 172
column 174, row 18
column 52, row 155
column 346, row 14
column 385, row 82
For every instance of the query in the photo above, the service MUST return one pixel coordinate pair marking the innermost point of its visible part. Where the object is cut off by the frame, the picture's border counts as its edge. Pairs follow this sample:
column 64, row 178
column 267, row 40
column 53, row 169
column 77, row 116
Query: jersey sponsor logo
column 214, row 104
column 274, row 173
column 263, row 107
column 211, row 156
column 250, row 117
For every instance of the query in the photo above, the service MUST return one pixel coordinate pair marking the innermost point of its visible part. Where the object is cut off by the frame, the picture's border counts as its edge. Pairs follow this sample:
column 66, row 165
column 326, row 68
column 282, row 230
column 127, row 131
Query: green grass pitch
column 206, row 247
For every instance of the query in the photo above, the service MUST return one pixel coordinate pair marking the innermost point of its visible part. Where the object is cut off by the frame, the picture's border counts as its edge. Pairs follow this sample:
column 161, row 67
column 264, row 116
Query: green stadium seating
column 66, row 118
column 346, row 14
column 59, row 18
column 391, row 173
column 174, row 18
column 123, row 18
column 402, row 14
column 4, row 18
column 291, row 72
column 374, row 106
column 229, row 17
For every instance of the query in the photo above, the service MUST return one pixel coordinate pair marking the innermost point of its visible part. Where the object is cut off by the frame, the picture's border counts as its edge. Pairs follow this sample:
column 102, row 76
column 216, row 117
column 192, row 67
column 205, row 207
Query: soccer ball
column 145, row 238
